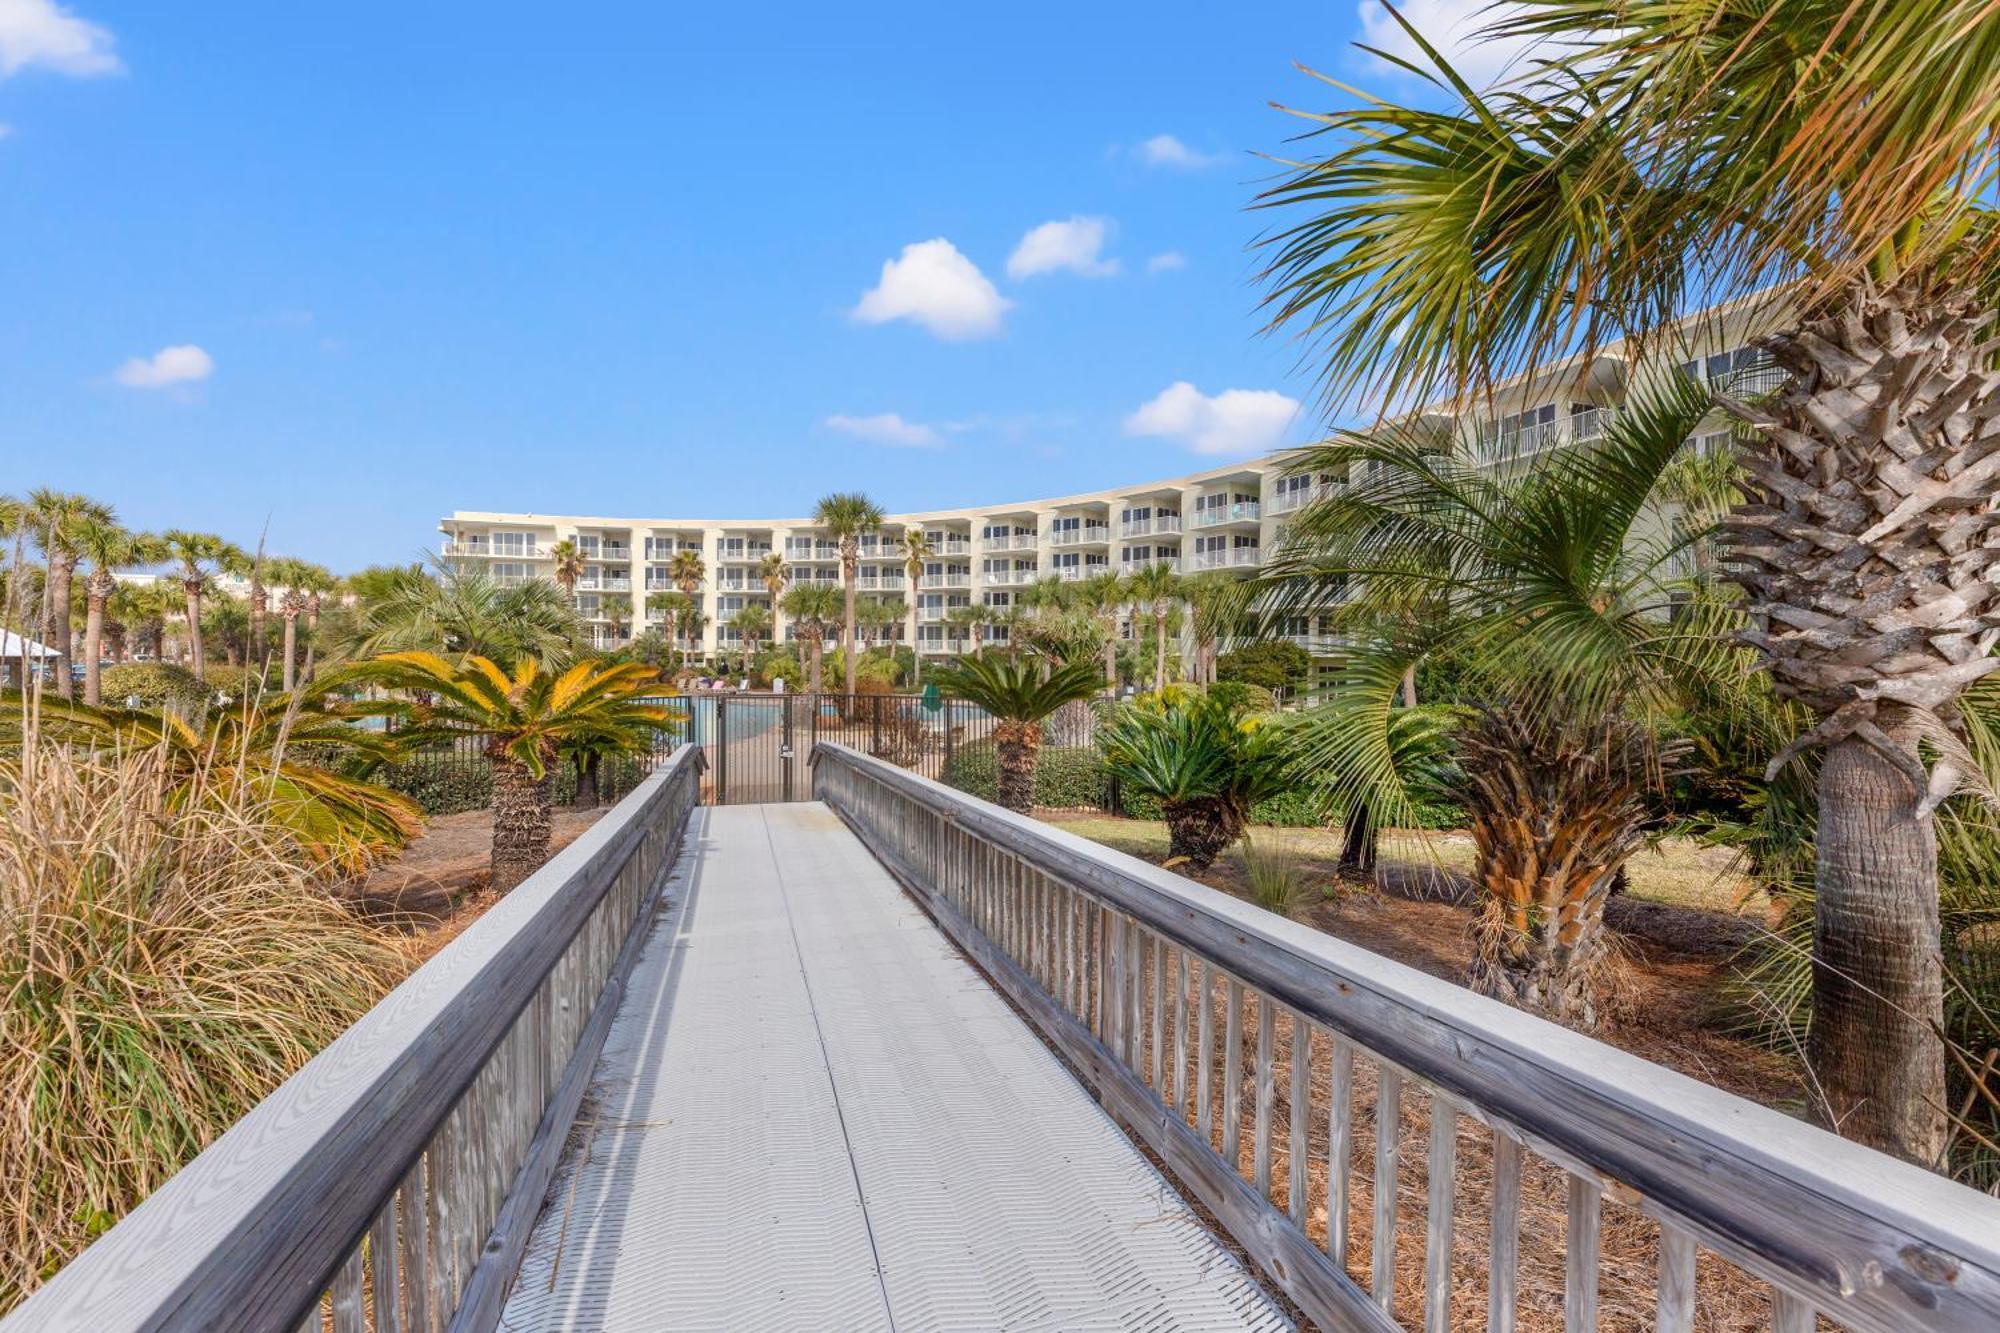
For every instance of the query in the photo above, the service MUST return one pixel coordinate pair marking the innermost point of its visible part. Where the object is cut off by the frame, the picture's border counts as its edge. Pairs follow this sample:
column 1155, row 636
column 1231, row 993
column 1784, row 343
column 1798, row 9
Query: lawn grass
column 1679, row 871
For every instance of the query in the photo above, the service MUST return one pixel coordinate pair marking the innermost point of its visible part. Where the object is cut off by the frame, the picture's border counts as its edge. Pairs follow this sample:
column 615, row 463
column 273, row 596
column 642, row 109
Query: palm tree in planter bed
column 812, row 607
column 1206, row 764
column 1019, row 692
column 1844, row 155
column 525, row 718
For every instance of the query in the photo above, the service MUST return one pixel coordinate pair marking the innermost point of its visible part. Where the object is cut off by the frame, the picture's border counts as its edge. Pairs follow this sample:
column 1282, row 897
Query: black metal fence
column 758, row 745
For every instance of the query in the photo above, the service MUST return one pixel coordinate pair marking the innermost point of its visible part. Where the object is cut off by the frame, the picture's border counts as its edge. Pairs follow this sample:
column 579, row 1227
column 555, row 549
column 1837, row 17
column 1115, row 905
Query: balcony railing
column 1237, row 558
column 480, row 547
column 1284, row 502
column 1527, row 441
column 880, row 582
column 588, row 584
column 1095, row 534
column 1002, row 578
column 951, row 546
column 738, row 554
column 1078, row 573
column 1243, row 511
column 955, row 579
column 607, row 551
column 1019, row 541
column 1146, row 527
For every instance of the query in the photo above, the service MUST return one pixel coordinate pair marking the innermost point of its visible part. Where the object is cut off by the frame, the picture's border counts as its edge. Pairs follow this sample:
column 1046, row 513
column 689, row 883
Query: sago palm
column 1018, row 691
column 1551, row 586
column 1844, row 155
column 524, row 719
column 1207, row 765
column 848, row 516
column 466, row 611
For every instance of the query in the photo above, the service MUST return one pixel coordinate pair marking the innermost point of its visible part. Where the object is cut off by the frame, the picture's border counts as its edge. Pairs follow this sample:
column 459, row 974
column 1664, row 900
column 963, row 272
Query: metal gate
column 758, row 745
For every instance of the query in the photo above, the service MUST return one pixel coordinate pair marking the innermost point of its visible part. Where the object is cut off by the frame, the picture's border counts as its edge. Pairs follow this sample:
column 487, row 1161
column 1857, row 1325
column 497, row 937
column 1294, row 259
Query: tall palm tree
column 1018, row 691
column 107, row 548
column 56, row 519
column 319, row 581
column 973, row 620
column 812, row 606
column 615, row 607
column 1215, row 606
column 677, row 606
column 1156, row 587
column 524, row 717
column 568, row 558
column 1550, row 590
column 916, row 548
column 847, row 515
column 687, row 570
column 290, row 576
column 1845, row 154
column 1105, row 597
column 753, row 622
column 200, row 556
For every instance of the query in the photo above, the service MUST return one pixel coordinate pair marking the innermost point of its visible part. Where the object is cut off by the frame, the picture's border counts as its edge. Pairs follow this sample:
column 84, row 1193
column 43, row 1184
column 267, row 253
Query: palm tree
column 1547, row 588
column 1155, row 587
column 200, row 555
column 524, row 718
column 753, row 622
column 108, row 548
column 1215, row 606
column 568, row 559
column 812, row 606
column 916, row 547
column 1844, row 154
column 847, row 515
column 973, row 620
column 465, row 611
column 318, row 581
column 677, row 606
column 56, row 519
column 687, row 571
column 615, row 607
column 289, row 575
column 1018, row 691
column 1206, row 766
column 1105, row 595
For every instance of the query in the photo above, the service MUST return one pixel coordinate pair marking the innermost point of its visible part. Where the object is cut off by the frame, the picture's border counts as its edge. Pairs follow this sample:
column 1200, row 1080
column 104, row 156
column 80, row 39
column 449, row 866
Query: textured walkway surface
column 812, row 1114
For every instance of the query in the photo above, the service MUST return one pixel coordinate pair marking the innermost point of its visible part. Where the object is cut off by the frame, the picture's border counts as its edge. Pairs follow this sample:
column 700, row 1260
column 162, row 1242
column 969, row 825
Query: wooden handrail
column 380, row 1127
column 1860, row 1238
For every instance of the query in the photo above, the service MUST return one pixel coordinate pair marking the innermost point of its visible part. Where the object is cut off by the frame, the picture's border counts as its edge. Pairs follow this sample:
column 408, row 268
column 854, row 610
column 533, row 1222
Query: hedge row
column 1073, row 777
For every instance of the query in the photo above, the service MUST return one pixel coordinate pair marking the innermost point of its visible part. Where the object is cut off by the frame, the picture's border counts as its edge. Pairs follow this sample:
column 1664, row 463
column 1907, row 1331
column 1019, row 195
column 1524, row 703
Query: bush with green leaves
column 1275, row 664
column 1066, row 778
column 155, row 685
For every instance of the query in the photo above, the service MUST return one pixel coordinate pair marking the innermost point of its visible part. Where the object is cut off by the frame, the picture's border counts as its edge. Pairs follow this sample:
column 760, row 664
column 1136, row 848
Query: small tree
column 812, row 607
column 1279, row 665
column 107, row 548
column 1018, row 691
column 753, row 622
column 1207, row 767
column 848, row 515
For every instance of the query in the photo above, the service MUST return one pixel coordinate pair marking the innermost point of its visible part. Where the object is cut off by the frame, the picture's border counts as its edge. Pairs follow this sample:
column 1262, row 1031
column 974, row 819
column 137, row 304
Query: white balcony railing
column 1243, row 511
column 1146, row 527
column 1019, row 541
column 956, row 579
column 1092, row 534
column 879, row 582
column 737, row 554
column 1284, row 502
column 1238, row 558
column 1002, row 578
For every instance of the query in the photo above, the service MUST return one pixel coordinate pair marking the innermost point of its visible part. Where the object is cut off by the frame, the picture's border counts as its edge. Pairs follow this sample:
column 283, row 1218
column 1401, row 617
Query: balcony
column 1241, row 557
column 958, row 578
column 951, row 546
column 613, row 552
column 1020, row 541
column 1284, row 502
column 815, row 552
column 1078, row 573
column 1094, row 534
column 1002, row 578
column 602, row 584
column 879, row 582
column 955, row 643
column 739, row 554
column 1146, row 527
column 1243, row 511
column 480, row 546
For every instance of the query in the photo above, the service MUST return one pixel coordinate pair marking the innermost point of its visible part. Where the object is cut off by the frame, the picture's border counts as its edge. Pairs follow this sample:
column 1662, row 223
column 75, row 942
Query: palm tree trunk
column 818, row 647
column 1199, row 829
column 61, row 572
column 1111, row 659
column 848, row 569
column 521, row 813
column 291, row 650
column 1160, row 650
column 916, row 657
column 1878, row 991
column 199, row 666
column 93, row 641
column 1410, row 686
column 1016, row 747
column 1359, row 840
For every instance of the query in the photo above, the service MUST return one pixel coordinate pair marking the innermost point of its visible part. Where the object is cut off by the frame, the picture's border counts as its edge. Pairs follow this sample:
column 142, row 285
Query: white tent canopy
column 12, row 645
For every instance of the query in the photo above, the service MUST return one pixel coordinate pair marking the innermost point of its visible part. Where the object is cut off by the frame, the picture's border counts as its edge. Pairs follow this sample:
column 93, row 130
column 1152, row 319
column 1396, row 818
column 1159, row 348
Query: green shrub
column 1242, row 697
column 442, row 784
column 1275, row 664
column 155, row 685
column 238, row 682
column 1065, row 777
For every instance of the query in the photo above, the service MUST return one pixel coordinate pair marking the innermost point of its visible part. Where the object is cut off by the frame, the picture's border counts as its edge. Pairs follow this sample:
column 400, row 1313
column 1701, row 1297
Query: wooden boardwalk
column 812, row 1113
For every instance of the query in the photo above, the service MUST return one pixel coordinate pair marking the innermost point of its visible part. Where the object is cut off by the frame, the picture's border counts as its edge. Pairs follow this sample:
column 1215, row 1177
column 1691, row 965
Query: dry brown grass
column 166, row 960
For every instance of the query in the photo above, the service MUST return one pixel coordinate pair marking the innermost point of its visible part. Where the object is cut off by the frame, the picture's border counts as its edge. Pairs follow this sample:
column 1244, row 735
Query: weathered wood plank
column 384, row 1260
column 1205, row 1055
column 1388, row 1159
column 1443, row 1176
column 1580, row 1257
column 1232, row 1076
column 1339, row 1147
column 1789, row 1314
column 1267, row 1094
column 1296, row 1115
column 1675, row 1307
column 1503, row 1253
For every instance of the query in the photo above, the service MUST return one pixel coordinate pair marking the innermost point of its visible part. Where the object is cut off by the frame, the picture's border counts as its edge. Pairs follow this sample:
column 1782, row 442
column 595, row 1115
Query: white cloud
column 932, row 284
column 182, row 364
column 885, row 428
column 1235, row 421
column 1073, row 244
column 41, row 32
column 1452, row 26
column 1164, row 150
column 1169, row 262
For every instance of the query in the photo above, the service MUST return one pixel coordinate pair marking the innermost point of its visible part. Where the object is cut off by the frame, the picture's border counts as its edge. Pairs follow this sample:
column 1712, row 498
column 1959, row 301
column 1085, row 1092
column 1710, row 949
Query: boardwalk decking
column 812, row 1114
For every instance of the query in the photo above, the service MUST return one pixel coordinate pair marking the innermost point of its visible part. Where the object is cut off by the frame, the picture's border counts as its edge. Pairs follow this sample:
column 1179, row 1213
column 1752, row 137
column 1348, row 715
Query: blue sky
column 352, row 266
